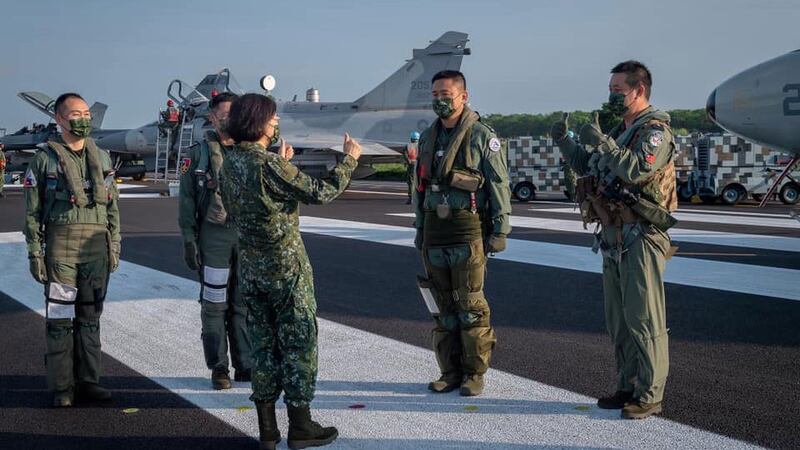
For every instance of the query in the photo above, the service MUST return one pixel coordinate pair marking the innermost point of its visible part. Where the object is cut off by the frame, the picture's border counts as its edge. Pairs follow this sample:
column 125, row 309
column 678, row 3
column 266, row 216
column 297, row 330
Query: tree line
column 683, row 121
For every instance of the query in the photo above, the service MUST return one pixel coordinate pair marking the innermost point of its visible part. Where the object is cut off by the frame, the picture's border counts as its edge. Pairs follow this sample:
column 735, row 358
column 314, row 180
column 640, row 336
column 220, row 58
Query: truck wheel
column 790, row 193
column 732, row 194
column 684, row 194
column 524, row 192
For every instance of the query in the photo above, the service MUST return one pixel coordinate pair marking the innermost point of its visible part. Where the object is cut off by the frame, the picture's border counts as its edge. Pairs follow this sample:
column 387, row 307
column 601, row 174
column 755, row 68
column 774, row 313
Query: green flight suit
column 570, row 179
column 203, row 219
column 633, row 282
column 81, row 242
column 262, row 193
column 453, row 249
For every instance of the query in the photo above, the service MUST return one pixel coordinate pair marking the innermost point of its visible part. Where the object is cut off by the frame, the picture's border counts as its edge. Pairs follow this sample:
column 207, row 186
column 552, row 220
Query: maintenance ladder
column 163, row 171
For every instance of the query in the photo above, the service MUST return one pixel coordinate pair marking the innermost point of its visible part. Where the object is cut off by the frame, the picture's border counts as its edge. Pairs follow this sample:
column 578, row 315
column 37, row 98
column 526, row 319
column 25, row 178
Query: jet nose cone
column 711, row 106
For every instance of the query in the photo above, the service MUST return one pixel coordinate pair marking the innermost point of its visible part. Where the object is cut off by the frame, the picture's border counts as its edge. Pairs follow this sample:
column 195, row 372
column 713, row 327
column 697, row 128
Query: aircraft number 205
column 791, row 104
column 421, row 85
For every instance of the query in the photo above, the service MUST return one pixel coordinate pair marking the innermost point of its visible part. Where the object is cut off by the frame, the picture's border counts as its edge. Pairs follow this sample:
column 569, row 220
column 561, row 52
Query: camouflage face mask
column 443, row 107
column 616, row 103
column 222, row 125
column 80, row 127
column 275, row 136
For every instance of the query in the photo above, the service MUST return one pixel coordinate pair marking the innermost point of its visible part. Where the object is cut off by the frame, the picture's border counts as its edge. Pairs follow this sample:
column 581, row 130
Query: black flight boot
column 93, row 391
column 268, row 433
column 616, row 401
column 304, row 432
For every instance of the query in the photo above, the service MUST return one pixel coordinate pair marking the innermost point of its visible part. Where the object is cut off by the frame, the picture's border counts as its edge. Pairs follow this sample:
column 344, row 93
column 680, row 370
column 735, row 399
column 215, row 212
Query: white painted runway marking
column 733, row 213
column 759, row 241
column 706, row 218
column 152, row 324
column 143, row 195
column 742, row 278
column 403, row 194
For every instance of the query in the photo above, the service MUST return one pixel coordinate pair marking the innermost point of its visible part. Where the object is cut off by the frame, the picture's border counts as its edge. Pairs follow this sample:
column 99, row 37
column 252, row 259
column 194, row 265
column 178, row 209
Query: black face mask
column 616, row 103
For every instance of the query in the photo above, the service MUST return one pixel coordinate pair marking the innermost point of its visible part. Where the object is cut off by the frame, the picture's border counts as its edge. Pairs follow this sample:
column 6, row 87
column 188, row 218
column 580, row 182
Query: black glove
column 115, row 251
column 495, row 244
column 591, row 133
column 191, row 254
column 560, row 128
column 418, row 239
column 38, row 268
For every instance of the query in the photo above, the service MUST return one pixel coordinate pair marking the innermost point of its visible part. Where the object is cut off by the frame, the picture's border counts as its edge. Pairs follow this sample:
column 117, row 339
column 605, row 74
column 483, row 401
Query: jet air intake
column 312, row 95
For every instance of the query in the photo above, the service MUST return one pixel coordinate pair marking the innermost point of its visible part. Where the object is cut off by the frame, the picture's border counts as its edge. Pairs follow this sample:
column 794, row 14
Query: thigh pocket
column 473, row 271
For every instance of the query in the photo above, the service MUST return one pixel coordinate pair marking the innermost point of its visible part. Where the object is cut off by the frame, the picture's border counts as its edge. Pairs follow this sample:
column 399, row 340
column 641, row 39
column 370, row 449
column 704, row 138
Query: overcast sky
column 527, row 56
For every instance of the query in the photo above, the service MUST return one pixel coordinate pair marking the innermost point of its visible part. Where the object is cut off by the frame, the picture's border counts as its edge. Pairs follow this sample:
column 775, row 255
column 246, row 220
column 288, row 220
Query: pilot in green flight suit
column 210, row 247
column 73, row 238
column 462, row 205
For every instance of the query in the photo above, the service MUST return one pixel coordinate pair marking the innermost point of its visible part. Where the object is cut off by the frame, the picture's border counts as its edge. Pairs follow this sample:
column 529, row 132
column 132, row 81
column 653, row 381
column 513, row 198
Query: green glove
column 418, row 239
column 591, row 133
column 191, row 254
column 495, row 244
column 116, row 248
column 559, row 129
column 38, row 268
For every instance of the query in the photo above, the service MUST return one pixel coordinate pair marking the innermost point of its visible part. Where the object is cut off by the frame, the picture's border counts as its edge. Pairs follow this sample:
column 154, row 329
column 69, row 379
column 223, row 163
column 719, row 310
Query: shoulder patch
column 30, row 179
column 185, row 163
column 282, row 168
column 655, row 138
column 494, row 144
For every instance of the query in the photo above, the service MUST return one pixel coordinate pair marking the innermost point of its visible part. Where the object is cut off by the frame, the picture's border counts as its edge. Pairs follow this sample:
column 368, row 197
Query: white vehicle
column 534, row 165
column 731, row 169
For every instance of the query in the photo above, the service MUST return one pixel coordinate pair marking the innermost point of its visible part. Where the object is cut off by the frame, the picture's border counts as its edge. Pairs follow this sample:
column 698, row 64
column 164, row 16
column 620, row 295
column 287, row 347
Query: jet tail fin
column 410, row 86
column 98, row 111
column 42, row 102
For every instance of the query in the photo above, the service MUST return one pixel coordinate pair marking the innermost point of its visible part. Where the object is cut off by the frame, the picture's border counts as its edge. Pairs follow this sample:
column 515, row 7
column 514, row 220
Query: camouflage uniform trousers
column 283, row 328
column 73, row 345
column 635, row 310
column 225, row 318
column 463, row 338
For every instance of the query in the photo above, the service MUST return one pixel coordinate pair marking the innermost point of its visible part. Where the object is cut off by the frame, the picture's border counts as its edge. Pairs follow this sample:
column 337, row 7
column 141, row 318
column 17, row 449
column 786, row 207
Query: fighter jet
column 762, row 104
column 382, row 119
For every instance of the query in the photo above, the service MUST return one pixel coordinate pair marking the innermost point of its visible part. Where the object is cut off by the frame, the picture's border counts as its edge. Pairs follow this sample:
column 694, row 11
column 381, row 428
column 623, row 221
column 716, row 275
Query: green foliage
column 389, row 171
column 684, row 121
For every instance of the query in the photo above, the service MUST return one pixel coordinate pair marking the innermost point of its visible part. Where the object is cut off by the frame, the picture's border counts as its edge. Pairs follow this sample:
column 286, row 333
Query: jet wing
column 41, row 102
column 335, row 143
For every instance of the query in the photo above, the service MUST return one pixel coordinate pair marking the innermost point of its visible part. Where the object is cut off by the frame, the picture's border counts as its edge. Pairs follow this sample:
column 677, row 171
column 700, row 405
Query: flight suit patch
column 494, row 144
column 185, row 163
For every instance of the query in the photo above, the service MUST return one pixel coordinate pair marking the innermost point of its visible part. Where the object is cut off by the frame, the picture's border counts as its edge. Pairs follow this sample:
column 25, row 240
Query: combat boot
column 220, row 379
column 268, row 433
column 304, row 432
column 472, row 385
column 636, row 409
column 446, row 383
column 93, row 391
column 616, row 401
column 63, row 399
column 242, row 375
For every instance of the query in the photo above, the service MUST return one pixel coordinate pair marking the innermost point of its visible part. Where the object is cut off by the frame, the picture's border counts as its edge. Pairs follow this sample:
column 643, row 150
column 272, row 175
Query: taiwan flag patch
column 30, row 179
